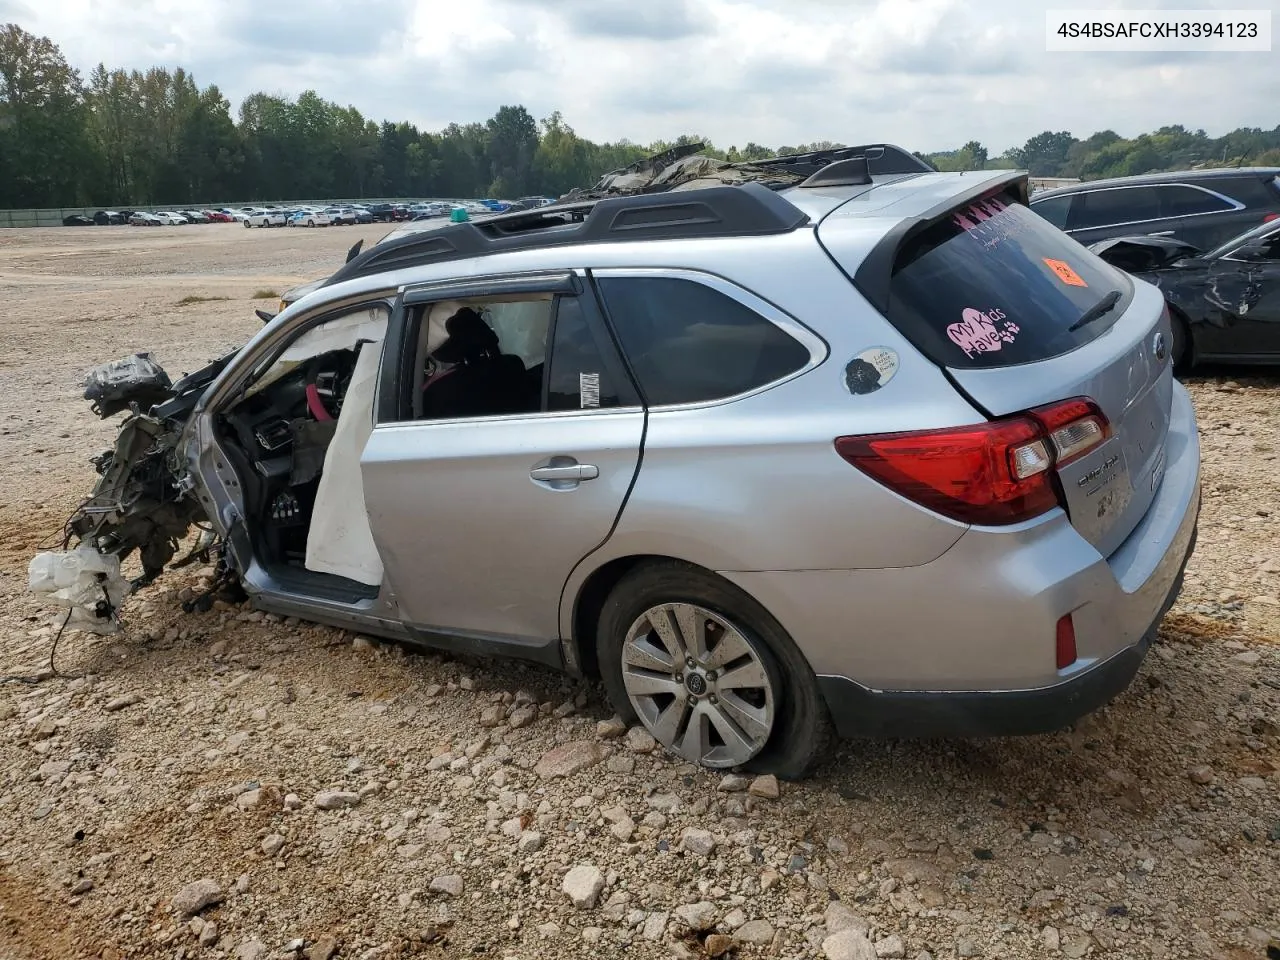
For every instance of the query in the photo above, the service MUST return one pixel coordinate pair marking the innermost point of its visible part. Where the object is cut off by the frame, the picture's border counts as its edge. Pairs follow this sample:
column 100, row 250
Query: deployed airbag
column 339, row 541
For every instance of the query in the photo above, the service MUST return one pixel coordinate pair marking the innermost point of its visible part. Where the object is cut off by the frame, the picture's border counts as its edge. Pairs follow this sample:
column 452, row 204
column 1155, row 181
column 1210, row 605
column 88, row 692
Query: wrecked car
column 1225, row 304
column 712, row 445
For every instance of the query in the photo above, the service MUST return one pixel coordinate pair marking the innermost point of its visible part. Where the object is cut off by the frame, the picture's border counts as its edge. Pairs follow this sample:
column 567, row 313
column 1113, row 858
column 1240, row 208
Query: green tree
column 512, row 142
column 563, row 160
column 1045, row 154
column 45, row 153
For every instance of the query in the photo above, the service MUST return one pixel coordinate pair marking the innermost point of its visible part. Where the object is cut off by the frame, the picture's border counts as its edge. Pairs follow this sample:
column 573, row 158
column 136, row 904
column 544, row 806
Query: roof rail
column 737, row 211
column 883, row 159
column 854, row 172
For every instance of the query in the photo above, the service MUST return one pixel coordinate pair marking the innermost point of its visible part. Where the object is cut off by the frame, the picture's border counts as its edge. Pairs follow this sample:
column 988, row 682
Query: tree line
column 131, row 138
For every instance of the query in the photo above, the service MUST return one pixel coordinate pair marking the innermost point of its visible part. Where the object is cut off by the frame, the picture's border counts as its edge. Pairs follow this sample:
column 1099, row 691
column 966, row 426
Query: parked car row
column 305, row 215
column 141, row 218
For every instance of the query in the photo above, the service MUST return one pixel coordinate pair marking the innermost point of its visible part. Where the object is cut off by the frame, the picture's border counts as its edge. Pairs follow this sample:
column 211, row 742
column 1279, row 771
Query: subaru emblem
column 1159, row 348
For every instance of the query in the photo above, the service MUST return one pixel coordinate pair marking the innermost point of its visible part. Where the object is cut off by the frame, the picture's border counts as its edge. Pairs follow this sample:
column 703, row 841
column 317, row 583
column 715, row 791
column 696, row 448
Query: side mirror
column 265, row 316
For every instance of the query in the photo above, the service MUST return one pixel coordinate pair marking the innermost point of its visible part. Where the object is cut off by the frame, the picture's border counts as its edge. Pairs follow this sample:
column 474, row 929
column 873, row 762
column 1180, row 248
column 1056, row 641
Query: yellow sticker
column 1063, row 271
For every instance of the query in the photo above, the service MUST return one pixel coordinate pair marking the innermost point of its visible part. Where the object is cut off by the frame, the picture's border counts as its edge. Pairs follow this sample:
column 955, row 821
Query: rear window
column 994, row 285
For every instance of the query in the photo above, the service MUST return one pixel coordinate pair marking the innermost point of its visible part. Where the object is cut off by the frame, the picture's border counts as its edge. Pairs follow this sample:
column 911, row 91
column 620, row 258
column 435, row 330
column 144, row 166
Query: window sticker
column 982, row 332
column 984, row 222
column 870, row 370
column 1062, row 270
column 589, row 388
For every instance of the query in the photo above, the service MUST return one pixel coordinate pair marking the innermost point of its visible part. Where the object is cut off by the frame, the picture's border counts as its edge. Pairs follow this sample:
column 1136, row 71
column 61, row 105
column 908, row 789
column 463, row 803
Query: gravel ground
column 232, row 785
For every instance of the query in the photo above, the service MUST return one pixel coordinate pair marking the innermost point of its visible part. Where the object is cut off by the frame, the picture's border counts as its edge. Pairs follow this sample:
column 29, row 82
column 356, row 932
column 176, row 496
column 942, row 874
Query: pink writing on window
column 980, row 332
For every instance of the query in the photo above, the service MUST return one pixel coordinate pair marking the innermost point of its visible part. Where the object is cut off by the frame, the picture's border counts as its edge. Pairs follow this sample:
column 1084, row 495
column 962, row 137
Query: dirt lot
column 203, row 747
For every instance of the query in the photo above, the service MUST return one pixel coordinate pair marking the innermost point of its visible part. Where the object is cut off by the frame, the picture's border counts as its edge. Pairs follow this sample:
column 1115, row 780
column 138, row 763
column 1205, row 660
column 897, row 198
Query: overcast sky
column 928, row 74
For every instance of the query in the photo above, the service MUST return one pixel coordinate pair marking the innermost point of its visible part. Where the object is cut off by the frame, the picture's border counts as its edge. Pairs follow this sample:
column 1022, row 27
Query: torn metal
column 681, row 168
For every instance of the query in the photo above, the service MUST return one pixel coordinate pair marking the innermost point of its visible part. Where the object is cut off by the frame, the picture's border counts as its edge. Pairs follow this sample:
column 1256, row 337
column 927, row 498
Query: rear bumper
column 860, row 712
column 964, row 644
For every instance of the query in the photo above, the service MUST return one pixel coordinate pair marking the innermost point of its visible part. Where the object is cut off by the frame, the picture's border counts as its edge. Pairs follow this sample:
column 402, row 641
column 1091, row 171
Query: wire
column 34, row 678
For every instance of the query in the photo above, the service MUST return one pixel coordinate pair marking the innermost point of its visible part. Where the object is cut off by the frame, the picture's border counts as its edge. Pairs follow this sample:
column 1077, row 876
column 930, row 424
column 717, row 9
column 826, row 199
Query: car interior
column 296, row 434
column 481, row 357
column 290, row 438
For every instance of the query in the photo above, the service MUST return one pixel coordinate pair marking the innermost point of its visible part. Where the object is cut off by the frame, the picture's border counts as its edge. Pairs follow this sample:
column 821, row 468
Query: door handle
column 572, row 472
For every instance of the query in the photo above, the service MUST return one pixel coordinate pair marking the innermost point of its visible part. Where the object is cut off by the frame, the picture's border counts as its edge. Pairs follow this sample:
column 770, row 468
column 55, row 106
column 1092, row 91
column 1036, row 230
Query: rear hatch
column 1020, row 316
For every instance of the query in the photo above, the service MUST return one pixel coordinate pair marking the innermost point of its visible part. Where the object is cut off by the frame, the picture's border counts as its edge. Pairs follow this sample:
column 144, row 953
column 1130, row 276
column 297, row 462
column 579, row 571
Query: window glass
column 1104, row 208
column 688, row 343
column 1054, row 210
column 1269, row 229
column 482, row 358
column 994, row 285
column 1182, row 201
column 579, row 378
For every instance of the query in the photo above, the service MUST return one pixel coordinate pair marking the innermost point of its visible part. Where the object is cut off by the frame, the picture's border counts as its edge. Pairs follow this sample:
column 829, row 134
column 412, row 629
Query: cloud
column 11, row 11
column 929, row 74
column 301, row 29
column 626, row 19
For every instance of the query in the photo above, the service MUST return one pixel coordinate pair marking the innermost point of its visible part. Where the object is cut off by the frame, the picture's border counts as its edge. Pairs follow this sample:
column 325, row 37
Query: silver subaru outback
column 835, row 444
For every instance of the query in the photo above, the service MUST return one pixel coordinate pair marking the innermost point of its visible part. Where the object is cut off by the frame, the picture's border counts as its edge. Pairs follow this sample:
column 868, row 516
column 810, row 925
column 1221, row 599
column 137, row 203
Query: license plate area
column 1098, row 490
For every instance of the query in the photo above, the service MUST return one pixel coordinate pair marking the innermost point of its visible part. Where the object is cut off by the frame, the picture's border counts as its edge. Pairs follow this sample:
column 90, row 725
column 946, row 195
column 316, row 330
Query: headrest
column 469, row 337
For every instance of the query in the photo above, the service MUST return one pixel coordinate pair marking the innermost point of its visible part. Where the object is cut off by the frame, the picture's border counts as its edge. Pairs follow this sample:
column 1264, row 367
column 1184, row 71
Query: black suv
column 388, row 212
column 1200, row 207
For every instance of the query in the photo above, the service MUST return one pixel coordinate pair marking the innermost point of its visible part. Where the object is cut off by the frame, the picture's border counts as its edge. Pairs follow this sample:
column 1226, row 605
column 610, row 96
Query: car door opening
column 295, row 437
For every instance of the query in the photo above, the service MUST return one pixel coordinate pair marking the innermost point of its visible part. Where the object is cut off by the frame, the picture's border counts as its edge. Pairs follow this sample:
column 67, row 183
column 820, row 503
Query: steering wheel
column 326, row 384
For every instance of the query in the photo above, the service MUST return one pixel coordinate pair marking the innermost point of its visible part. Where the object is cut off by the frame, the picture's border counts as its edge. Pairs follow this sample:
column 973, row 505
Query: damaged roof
column 686, row 168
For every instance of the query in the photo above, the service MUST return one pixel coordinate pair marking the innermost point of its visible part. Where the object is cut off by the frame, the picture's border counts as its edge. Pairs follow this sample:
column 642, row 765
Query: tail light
column 1271, row 216
column 993, row 473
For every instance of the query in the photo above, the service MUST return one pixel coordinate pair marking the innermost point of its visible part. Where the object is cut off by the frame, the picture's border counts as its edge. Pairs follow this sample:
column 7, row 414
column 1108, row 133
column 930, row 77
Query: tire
column 247, row 224
column 791, row 730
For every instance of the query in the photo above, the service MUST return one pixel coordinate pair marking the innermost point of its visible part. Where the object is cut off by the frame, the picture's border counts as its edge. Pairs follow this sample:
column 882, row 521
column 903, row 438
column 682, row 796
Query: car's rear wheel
column 247, row 224
column 709, row 673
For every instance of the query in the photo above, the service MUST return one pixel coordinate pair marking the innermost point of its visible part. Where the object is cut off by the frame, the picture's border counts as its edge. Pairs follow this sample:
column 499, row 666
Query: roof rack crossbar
column 728, row 211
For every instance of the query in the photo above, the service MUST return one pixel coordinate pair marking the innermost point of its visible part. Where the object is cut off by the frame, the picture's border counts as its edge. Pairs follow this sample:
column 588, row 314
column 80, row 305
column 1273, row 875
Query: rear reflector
column 1066, row 642
column 1270, row 216
column 993, row 473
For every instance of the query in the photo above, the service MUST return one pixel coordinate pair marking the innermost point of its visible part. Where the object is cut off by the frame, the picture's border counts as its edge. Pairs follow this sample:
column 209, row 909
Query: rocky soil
column 230, row 785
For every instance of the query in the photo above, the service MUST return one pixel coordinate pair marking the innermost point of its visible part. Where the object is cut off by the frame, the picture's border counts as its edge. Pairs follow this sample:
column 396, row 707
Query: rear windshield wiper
column 1097, row 311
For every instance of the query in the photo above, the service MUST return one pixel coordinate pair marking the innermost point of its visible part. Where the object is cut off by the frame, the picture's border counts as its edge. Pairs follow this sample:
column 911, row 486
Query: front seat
column 483, row 382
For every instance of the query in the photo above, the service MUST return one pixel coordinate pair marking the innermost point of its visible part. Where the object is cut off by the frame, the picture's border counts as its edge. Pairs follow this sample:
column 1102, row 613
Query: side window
column 514, row 356
column 1105, row 208
column 481, row 358
column 1054, row 210
column 688, row 343
column 1182, row 201
column 579, row 376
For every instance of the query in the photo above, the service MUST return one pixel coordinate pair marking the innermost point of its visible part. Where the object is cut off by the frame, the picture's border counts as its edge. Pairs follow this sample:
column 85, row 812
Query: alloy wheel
column 698, row 684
